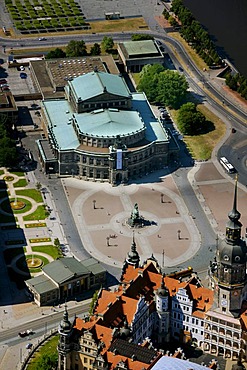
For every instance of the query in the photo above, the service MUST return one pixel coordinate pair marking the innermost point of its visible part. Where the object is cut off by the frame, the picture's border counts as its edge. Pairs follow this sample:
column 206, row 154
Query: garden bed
column 40, row 240
column 36, row 224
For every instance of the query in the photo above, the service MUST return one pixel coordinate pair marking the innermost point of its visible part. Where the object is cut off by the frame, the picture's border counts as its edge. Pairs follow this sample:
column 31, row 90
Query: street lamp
column 94, row 202
column 179, row 233
column 107, row 241
column 161, row 198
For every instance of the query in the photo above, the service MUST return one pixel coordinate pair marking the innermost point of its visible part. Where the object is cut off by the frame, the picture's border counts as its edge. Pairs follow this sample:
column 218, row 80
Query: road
column 42, row 325
column 231, row 149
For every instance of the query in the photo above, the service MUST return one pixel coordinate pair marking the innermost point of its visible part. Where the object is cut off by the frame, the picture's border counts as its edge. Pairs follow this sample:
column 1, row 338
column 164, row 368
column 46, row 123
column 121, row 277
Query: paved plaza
column 101, row 213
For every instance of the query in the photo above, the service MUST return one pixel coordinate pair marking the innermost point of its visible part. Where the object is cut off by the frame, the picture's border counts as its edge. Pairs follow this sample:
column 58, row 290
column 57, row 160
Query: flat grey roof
column 41, row 284
column 94, row 266
column 145, row 47
column 64, row 269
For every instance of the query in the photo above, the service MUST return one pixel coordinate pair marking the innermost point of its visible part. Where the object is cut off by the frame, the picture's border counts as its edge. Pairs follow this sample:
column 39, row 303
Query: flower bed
column 40, row 240
column 36, row 224
column 8, row 178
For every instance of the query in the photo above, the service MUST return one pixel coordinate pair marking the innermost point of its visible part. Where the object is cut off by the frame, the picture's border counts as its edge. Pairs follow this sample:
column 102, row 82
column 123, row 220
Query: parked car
column 22, row 68
column 3, row 81
column 23, row 75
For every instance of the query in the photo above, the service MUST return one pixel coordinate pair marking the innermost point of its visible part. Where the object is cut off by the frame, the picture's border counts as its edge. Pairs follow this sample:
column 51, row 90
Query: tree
column 107, row 44
column 190, row 121
column 47, row 362
column 57, row 242
column 172, row 88
column 93, row 302
column 76, row 49
column 139, row 37
column 38, row 185
column 149, row 80
column 95, row 49
column 56, row 53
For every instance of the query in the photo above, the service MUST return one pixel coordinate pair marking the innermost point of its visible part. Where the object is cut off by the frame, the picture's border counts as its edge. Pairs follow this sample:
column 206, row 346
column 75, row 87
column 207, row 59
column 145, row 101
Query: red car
column 3, row 81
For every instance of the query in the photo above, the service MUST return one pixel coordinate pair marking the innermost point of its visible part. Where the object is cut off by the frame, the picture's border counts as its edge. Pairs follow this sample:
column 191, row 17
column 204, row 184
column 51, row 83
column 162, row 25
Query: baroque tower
column 162, row 308
column 64, row 344
column 228, row 271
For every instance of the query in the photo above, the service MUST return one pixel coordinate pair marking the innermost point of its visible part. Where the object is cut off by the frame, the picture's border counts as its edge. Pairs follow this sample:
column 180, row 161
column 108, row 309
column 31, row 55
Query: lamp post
column 179, row 234
column 94, row 202
column 162, row 198
column 107, row 241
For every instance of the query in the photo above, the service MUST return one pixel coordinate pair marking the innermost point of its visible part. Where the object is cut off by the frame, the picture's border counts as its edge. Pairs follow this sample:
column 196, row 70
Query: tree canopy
column 95, row 49
column 107, row 44
column 163, row 86
column 190, row 121
column 139, row 37
column 76, row 49
column 56, row 53
column 47, row 362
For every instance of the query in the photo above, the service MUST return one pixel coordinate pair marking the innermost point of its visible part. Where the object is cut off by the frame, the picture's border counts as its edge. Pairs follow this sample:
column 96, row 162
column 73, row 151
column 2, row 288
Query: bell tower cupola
column 228, row 271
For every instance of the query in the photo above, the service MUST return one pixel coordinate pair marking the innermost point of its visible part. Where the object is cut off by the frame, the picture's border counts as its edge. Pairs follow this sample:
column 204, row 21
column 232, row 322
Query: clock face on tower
column 224, row 302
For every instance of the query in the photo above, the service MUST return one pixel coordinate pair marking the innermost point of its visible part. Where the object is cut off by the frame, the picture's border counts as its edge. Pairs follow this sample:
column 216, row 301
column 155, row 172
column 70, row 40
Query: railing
column 23, row 364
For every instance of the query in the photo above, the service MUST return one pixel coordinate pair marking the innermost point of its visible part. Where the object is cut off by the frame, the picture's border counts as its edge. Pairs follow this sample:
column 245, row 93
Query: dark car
column 3, row 81
column 23, row 75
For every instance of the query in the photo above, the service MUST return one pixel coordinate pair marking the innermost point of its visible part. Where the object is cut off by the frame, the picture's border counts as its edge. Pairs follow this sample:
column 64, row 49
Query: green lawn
column 31, row 193
column 17, row 173
column 201, row 146
column 40, row 214
column 1, row 172
column 21, row 263
column 48, row 249
column 20, row 184
column 49, row 348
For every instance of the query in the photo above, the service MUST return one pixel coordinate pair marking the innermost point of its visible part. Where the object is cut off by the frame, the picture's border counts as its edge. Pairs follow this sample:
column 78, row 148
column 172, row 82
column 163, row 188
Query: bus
column 227, row 165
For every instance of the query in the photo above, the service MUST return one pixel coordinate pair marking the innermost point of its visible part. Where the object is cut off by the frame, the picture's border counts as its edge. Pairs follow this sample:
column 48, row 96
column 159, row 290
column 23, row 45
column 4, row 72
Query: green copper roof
column 140, row 47
column 95, row 83
column 109, row 122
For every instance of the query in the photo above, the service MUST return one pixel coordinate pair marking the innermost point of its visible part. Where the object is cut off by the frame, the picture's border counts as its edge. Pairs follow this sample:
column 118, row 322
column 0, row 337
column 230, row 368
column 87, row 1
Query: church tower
column 64, row 344
column 162, row 309
column 133, row 257
column 228, row 272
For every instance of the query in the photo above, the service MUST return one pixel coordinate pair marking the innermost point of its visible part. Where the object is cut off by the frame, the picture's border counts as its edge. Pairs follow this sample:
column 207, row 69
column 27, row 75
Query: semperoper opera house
column 103, row 132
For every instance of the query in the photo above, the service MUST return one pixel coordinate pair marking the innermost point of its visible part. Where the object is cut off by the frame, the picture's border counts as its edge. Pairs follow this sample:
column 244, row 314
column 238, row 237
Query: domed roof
column 232, row 254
